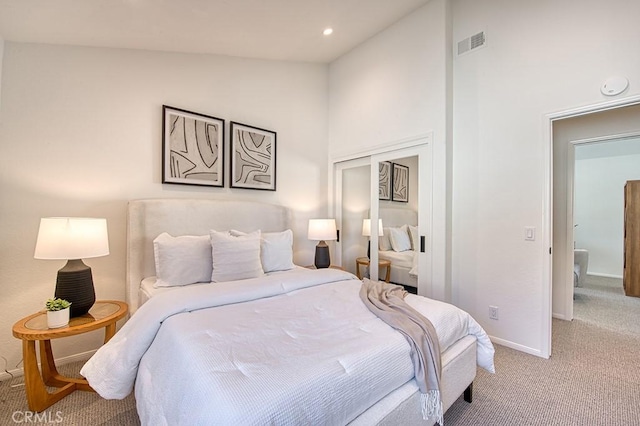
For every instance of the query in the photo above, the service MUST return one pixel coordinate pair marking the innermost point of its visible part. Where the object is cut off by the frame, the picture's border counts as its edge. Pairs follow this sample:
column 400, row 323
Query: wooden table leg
column 388, row 276
column 48, row 366
column 358, row 270
column 50, row 374
column 37, row 396
column 109, row 332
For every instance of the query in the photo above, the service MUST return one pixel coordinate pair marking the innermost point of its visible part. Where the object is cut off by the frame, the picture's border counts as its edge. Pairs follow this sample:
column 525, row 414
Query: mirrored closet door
column 393, row 186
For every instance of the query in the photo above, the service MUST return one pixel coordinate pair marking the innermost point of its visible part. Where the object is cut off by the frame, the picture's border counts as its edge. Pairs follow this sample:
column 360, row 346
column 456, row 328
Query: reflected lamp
column 366, row 231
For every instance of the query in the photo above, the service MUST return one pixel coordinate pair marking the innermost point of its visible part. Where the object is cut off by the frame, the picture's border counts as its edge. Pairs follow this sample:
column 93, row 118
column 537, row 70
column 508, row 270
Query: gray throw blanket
column 386, row 301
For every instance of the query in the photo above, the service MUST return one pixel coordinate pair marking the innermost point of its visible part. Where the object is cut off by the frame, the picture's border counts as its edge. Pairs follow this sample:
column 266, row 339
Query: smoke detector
column 614, row 86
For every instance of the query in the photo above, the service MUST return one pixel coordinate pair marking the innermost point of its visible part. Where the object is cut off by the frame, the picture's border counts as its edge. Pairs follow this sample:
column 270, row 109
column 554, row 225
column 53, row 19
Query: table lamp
column 322, row 230
column 366, row 231
column 73, row 239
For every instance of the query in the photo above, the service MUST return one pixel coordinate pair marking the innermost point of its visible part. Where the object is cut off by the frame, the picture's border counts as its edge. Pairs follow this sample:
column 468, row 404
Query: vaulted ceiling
column 289, row 30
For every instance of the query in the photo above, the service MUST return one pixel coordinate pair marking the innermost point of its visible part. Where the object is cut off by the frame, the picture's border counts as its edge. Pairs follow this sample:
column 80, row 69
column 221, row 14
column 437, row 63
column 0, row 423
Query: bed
column 288, row 347
column 403, row 262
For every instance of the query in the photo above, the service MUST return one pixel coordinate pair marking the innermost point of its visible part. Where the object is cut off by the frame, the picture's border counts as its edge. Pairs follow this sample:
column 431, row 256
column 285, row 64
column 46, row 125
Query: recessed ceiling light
column 328, row 31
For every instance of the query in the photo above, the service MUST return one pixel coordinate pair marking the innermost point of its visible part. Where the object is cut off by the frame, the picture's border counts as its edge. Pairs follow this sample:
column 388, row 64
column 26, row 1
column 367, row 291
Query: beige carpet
column 592, row 378
column 601, row 301
column 79, row 408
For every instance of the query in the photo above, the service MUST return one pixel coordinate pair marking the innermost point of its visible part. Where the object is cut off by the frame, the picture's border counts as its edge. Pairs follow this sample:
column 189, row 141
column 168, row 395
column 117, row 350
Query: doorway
column 597, row 121
column 601, row 167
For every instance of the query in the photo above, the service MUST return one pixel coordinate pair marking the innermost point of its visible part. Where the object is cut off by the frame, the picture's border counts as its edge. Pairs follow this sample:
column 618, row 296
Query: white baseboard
column 516, row 346
column 560, row 316
column 16, row 372
column 597, row 274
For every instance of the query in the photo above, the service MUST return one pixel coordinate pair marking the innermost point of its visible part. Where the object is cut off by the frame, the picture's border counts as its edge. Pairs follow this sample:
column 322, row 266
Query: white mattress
column 402, row 264
column 403, row 259
column 148, row 289
column 458, row 371
column 261, row 313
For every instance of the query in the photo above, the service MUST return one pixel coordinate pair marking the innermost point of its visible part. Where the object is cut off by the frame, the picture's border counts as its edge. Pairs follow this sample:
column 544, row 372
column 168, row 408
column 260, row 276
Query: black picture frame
column 192, row 148
column 400, row 191
column 253, row 157
column 384, row 180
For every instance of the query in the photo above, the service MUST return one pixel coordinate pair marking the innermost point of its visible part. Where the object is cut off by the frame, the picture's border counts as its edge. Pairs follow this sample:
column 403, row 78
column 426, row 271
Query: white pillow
column 415, row 238
column 276, row 250
column 235, row 257
column 182, row 260
column 399, row 238
column 383, row 241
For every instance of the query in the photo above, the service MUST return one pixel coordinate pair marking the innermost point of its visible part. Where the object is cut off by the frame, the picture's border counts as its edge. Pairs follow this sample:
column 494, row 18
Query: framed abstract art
column 192, row 148
column 253, row 157
column 400, row 183
column 384, row 180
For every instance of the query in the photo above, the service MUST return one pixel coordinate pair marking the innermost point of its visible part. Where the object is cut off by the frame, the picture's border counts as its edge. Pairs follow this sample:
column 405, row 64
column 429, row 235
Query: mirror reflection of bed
column 399, row 222
column 399, row 245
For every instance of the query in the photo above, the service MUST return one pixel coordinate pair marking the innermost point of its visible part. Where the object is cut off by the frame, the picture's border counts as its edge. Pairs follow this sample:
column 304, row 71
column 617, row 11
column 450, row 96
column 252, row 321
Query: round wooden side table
column 364, row 261
column 103, row 314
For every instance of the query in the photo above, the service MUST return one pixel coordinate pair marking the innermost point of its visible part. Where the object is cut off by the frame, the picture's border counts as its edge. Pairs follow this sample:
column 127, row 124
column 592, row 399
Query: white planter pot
column 57, row 319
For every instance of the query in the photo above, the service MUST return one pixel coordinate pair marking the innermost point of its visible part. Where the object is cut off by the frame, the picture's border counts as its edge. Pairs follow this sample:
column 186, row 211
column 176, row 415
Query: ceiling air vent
column 469, row 44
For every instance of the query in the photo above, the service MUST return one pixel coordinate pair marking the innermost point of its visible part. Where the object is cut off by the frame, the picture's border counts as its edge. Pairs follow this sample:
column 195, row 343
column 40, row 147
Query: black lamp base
column 75, row 284
column 322, row 260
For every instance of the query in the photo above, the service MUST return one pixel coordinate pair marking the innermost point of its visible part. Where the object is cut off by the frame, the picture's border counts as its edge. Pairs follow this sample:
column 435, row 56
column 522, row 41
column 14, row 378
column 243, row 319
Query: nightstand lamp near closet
column 366, row 232
column 322, row 230
column 73, row 239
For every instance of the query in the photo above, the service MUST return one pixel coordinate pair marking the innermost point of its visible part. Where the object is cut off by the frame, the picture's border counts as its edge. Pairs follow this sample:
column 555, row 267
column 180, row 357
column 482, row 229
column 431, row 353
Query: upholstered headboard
column 397, row 217
column 146, row 219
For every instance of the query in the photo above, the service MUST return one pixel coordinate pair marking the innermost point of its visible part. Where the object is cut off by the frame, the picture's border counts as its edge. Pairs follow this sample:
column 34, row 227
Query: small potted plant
column 57, row 312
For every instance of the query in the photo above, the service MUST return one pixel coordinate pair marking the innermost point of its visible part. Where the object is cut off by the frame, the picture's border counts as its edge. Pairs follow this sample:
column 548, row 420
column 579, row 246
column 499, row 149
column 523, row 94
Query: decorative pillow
column 235, row 257
column 415, row 238
column 383, row 242
column 182, row 260
column 276, row 250
column 399, row 238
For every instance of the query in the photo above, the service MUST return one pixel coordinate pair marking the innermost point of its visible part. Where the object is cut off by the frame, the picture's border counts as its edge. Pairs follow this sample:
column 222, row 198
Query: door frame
column 570, row 235
column 547, row 265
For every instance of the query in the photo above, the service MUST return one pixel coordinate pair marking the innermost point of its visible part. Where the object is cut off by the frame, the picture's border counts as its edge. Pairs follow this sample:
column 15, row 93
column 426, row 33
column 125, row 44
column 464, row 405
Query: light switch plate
column 529, row 233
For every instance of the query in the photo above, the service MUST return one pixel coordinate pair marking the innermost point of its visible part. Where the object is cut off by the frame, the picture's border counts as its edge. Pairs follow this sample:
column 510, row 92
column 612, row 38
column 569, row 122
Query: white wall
column 600, row 174
column 81, row 135
column 392, row 88
column 1, row 57
column 541, row 57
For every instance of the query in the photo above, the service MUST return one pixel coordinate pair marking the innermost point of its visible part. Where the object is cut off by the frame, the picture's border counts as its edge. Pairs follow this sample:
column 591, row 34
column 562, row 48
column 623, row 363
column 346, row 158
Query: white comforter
column 292, row 348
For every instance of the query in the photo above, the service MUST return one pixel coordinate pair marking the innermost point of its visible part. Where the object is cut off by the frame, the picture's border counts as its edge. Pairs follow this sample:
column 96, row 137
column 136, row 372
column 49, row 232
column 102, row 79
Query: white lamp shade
column 72, row 238
column 366, row 228
column 322, row 229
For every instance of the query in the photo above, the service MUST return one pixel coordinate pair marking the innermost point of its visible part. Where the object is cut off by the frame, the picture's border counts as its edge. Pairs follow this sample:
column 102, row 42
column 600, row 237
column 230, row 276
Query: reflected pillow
column 415, row 239
column 399, row 238
column 182, row 260
column 383, row 242
column 235, row 257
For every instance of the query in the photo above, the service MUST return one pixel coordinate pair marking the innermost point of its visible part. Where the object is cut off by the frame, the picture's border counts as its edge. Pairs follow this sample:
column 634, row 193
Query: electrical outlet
column 493, row 312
